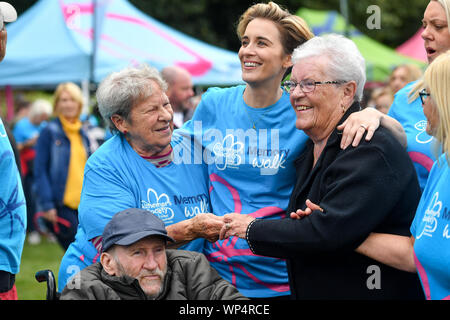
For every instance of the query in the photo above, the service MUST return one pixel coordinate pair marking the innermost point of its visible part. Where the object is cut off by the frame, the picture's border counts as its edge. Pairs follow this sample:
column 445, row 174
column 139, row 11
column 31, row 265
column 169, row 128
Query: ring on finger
column 227, row 226
column 363, row 126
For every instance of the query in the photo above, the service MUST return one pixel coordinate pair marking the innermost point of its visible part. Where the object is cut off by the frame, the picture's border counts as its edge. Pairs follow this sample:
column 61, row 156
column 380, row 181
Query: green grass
column 45, row 255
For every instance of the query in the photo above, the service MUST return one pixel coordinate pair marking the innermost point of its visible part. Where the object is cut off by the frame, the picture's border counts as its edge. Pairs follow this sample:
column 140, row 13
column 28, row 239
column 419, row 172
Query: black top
column 370, row 188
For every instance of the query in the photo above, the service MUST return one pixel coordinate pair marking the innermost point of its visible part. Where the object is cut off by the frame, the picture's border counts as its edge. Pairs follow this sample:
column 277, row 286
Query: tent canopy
column 380, row 59
column 52, row 42
column 414, row 47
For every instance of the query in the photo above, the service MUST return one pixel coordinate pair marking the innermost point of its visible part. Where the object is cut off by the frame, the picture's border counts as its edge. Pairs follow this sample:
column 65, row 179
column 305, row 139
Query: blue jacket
column 51, row 164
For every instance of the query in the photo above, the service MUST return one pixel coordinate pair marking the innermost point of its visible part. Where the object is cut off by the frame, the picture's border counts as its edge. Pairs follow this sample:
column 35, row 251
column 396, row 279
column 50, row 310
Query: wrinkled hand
column 207, row 225
column 50, row 215
column 356, row 125
column 235, row 225
column 310, row 207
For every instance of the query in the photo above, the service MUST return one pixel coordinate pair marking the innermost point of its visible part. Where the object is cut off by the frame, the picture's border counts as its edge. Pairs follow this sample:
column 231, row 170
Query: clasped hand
column 208, row 226
column 236, row 224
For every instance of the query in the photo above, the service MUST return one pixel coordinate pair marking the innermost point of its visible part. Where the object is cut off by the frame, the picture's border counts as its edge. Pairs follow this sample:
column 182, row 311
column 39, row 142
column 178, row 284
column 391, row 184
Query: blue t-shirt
column 251, row 171
column 431, row 230
column 24, row 130
column 414, row 122
column 117, row 178
column 13, row 211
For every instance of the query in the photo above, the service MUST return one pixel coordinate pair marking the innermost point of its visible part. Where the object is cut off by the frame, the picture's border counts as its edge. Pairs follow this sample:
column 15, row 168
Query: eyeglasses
column 307, row 85
column 423, row 95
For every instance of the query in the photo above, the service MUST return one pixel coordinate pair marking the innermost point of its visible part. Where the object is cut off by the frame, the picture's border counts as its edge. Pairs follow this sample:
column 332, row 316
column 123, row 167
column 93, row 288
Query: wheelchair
column 48, row 277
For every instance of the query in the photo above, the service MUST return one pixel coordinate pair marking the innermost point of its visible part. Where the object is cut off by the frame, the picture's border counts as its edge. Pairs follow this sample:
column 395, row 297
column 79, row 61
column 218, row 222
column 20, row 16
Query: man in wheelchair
column 135, row 265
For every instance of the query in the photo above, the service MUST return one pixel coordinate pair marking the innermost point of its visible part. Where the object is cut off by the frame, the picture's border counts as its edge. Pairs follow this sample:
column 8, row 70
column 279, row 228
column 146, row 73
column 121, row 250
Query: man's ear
column 109, row 263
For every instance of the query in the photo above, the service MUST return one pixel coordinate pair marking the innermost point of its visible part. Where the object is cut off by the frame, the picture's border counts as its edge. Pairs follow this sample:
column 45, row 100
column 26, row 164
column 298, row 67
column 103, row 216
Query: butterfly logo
column 227, row 153
column 430, row 218
column 422, row 136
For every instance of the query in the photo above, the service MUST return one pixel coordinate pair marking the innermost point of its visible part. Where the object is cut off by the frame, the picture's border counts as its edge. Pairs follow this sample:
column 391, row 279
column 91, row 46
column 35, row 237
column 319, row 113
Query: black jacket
column 370, row 188
column 189, row 277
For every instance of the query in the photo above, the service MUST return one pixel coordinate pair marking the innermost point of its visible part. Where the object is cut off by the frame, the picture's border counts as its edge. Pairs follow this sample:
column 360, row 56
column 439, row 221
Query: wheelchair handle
column 47, row 276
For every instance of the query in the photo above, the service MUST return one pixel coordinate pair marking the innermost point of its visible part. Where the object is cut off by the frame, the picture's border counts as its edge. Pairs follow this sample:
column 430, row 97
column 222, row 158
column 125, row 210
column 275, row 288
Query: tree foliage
column 214, row 21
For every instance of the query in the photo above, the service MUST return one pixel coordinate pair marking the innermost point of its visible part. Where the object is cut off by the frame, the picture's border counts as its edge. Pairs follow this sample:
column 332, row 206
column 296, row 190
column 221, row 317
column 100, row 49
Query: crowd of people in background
column 285, row 200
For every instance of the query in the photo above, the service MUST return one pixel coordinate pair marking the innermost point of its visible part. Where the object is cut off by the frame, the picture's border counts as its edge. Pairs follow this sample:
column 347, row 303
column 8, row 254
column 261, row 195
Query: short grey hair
column 40, row 107
column 345, row 60
column 120, row 91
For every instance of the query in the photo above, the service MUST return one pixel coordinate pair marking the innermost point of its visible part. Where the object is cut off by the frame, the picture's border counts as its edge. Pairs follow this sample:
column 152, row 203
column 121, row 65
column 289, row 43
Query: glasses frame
column 423, row 94
column 290, row 85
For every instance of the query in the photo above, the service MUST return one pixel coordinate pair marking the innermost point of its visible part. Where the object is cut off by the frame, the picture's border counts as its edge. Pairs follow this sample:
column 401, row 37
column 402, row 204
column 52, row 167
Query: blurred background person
column 193, row 103
column 13, row 210
column 402, row 75
column 407, row 107
column 21, row 109
column 94, row 126
column 180, row 91
column 381, row 99
column 26, row 132
column 62, row 150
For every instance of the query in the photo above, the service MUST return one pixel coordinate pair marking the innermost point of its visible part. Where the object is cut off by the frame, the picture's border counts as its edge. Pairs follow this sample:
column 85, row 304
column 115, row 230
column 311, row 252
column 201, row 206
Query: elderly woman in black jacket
column 356, row 191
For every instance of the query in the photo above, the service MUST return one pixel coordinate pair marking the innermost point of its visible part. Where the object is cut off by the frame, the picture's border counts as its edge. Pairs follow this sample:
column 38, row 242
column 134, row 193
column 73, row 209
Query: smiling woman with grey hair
column 123, row 89
column 340, row 189
column 138, row 168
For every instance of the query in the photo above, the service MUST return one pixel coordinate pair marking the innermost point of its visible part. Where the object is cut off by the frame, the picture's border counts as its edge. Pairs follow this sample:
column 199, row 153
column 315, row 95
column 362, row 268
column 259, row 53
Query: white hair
column 39, row 107
column 345, row 62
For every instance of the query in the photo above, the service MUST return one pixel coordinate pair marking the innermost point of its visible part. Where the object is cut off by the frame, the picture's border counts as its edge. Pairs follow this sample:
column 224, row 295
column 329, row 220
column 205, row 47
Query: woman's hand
column 368, row 120
column 203, row 225
column 356, row 125
column 310, row 207
column 207, row 225
column 236, row 224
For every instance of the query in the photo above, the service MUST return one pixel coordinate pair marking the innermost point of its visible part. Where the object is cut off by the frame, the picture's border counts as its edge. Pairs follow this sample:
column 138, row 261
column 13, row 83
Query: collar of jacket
column 128, row 288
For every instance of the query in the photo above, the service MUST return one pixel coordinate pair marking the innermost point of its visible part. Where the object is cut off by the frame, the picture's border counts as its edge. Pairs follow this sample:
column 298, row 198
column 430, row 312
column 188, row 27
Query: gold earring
column 343, row 109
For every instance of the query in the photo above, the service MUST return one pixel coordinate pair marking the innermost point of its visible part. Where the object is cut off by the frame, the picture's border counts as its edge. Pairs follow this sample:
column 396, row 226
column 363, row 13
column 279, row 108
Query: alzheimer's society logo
column 430, row 218
column 159, row 205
